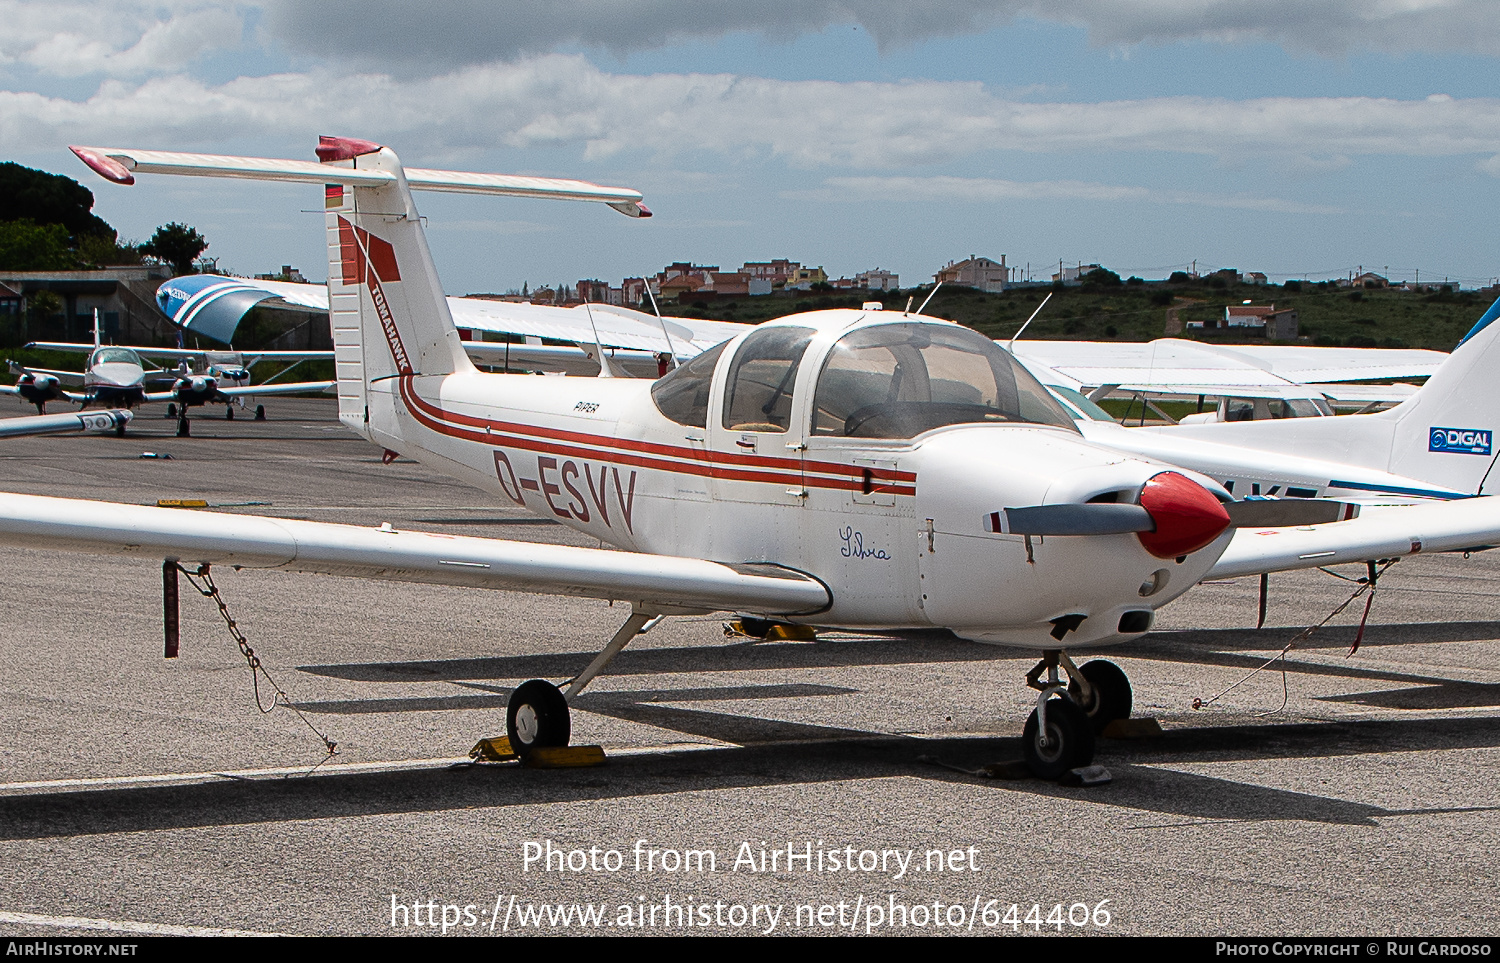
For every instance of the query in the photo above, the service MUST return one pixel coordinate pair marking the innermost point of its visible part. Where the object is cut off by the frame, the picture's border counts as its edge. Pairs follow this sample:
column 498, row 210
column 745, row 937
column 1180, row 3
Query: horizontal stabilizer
column 120, row 165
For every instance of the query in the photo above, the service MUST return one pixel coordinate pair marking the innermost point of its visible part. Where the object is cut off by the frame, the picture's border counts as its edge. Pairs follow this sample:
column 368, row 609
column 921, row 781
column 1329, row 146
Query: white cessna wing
column 835, row 468
column 1171, row 367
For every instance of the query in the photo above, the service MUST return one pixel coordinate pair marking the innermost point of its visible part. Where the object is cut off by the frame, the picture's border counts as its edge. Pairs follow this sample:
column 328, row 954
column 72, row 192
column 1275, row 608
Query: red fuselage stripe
column 424, row 411
column 654, row 448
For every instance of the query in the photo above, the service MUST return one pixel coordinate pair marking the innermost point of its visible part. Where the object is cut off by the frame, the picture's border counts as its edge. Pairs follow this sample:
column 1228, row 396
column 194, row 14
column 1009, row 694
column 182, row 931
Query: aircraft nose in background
column 1187, row 515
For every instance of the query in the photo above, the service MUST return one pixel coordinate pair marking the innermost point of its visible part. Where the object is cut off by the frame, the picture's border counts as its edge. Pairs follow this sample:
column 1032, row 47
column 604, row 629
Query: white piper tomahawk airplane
column 838, row 468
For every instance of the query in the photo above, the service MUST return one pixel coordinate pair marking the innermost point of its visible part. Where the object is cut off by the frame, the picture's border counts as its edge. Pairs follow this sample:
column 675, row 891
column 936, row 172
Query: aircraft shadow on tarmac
column 767, row 752
column 1140, row 785
column 1226, row 648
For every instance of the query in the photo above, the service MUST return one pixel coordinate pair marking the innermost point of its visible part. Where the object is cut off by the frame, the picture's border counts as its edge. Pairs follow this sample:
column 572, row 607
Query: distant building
column 1256, row 319
column 1074, row 274
column 802, row 279
column 1253, row 277
column 125, row 298
column 880, row 280
column 975, row 272
column 287, row 273
column 776, row 271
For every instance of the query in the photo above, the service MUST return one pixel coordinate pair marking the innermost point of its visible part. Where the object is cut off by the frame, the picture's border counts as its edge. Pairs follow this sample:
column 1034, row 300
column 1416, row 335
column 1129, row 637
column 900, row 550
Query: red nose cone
column 1187, row 515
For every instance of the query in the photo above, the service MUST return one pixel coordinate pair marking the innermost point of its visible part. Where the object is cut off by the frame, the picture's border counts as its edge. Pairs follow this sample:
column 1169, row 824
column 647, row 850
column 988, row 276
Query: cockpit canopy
column 891, row 381
column 110, row 355
column 899, row 380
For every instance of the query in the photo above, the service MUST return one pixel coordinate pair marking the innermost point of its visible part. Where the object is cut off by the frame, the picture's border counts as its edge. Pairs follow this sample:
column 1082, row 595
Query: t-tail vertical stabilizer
column 389, row 317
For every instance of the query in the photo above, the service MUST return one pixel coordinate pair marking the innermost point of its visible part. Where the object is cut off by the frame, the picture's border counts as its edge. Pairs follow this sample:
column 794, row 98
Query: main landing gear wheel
column 1112, row 697
column 120, row 429
column 536, row 716
column 260, row 412
column 1069, row 743
column 229, row 413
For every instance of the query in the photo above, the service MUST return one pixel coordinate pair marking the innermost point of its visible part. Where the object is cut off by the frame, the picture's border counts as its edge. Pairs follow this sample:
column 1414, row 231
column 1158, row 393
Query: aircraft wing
column 66, row 377
column 106, row 420
column 278, row 388
column 655, row 583
column 1178, row 366
column 1379, row 532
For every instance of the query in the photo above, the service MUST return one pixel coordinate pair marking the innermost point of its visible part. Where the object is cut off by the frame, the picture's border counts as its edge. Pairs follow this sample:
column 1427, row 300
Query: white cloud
column 121, row 39
column 563, row 101
column 992, row 190
column 384, row 33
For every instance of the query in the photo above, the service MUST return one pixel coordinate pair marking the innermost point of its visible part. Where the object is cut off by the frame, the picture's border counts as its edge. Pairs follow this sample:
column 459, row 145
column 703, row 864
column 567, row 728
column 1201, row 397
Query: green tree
column 28, row 246
column 98, row 250
column 33, row 195
column 177, row 245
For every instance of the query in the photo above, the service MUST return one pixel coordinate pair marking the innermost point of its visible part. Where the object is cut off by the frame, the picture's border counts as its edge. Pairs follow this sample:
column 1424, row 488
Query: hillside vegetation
column 1328, row 315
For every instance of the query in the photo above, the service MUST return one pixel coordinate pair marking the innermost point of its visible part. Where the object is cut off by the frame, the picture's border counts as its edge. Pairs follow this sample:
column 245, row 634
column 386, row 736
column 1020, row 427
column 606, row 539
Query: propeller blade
column 1092, row 518
column 1288, row 512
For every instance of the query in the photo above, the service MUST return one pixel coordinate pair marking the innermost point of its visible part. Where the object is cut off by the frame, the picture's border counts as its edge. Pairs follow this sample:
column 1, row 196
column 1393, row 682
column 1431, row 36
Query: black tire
column 535, row 716
column 120, row 429
column 229, row 413
column 184, row 430
column 1112, row 696
column 260, row 412
column 171, row 411
column 1070, row 740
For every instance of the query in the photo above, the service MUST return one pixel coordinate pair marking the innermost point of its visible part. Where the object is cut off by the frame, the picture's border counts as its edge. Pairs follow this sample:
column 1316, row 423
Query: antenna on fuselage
column 1011, row 346
column 96, row 329
column 605, row 371
column 670, row 350
column 929, row 298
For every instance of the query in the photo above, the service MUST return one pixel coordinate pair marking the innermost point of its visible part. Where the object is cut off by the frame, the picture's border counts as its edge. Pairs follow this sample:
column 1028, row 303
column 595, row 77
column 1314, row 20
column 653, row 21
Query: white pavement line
column 103, row 782
column 125, row 926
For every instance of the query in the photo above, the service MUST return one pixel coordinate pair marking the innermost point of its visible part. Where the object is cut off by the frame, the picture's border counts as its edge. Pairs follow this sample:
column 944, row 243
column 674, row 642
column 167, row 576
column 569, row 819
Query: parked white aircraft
column 201, row 377
column 117, row 375
column 842, row 468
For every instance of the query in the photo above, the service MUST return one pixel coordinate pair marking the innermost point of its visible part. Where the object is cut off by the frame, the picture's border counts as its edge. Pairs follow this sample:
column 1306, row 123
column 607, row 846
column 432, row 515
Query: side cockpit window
column 758, row 396
column 682, row 394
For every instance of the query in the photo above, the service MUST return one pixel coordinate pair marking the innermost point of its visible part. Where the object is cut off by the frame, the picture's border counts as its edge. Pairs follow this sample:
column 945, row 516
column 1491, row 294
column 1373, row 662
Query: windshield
column 115, row 356
column 899, row 380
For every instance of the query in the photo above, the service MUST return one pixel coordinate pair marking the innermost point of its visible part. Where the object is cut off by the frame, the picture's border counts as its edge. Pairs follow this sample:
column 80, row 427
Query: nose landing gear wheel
column 1069, row 745
column 536, row 716
column 183, row 431
column 1112, row 697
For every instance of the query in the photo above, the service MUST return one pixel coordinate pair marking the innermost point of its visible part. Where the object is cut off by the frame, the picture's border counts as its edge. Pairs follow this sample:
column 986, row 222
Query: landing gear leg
column 537, row 713
column 1058, row 736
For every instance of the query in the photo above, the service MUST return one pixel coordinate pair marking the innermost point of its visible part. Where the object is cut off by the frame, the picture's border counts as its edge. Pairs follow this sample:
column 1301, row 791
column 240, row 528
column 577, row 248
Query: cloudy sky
column 1302, row 138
